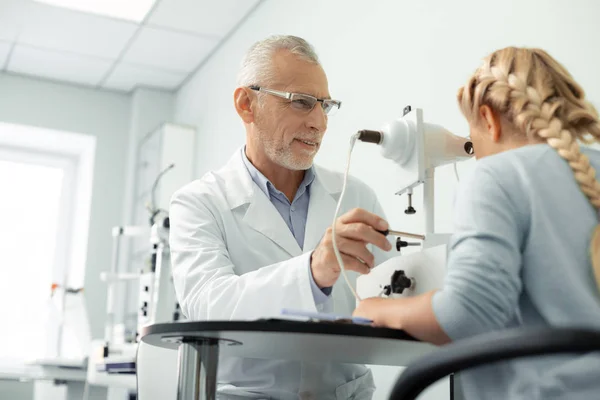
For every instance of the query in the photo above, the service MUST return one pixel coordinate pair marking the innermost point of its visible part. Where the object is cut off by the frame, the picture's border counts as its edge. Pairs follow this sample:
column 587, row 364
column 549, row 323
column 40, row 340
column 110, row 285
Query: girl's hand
column 382, row 311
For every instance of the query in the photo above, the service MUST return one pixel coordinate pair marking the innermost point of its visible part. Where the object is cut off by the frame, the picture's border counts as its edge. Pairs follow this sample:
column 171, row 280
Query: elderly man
column 255, row 236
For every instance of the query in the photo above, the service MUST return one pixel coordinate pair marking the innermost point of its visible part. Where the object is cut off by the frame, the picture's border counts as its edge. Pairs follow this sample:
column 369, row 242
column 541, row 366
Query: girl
column 526, row 244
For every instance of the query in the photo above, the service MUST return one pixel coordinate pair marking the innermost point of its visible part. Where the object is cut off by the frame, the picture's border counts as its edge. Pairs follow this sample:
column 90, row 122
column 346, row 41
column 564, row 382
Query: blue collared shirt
column 294, row 214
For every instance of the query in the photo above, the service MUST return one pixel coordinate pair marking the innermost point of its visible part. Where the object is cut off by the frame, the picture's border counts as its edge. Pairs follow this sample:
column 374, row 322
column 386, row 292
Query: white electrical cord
column 337, row 210
column 456, row 173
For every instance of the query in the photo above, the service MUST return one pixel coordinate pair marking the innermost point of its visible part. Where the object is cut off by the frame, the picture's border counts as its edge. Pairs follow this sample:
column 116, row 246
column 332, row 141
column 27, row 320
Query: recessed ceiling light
column 132, row 10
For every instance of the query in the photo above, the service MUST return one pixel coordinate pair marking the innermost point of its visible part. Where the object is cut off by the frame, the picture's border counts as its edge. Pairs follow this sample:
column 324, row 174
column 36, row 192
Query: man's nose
column 317, row 119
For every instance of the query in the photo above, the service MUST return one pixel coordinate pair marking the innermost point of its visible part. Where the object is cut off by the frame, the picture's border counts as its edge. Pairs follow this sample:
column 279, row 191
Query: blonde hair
column 542, row 100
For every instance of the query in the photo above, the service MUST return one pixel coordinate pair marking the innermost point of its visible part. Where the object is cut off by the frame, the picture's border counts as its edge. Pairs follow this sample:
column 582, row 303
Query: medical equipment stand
column 114, row 276
column 157, row 301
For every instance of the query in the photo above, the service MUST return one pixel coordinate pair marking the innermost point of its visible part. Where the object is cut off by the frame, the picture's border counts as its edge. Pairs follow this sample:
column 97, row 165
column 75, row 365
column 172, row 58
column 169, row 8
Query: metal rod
column 110, row 289
column 406, row 234
column 197, row 375
column 429, row 200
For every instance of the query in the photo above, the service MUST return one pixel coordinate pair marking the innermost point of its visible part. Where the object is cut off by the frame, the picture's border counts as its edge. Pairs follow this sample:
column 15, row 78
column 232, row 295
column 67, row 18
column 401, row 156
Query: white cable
column 337, row 210
column 456, row 173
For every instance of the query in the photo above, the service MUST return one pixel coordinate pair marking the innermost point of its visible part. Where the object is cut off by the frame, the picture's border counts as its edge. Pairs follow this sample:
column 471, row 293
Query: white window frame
column 74, row 154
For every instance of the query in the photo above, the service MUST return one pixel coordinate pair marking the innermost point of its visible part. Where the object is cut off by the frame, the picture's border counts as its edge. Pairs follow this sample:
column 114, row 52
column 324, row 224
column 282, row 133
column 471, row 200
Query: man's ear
column 243, row 100
column 491, row 121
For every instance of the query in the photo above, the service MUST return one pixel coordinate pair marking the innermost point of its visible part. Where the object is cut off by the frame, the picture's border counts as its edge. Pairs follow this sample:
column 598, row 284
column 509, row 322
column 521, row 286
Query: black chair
column 489, row 348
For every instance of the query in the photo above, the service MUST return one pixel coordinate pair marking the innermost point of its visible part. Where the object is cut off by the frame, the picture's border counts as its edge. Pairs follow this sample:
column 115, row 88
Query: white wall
column 381, row 56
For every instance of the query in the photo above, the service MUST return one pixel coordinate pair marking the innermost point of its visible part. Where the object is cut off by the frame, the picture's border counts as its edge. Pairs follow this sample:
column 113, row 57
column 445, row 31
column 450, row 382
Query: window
column 29, row 210
column 45, row 178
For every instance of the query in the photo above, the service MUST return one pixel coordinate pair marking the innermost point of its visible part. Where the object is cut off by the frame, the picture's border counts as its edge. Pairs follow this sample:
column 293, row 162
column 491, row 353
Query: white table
column 200, row 343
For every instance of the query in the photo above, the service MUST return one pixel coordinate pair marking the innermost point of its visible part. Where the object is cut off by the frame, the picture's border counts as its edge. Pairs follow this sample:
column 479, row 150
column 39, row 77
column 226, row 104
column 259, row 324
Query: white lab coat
column 234, row 258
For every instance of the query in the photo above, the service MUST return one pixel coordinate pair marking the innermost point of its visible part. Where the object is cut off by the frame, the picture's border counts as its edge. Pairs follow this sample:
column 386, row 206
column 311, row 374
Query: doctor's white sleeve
column 205, row 279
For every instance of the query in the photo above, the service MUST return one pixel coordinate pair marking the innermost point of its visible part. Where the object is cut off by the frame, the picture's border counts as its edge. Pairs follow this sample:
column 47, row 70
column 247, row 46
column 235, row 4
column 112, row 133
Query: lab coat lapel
column 321, row 209
column 261, row 215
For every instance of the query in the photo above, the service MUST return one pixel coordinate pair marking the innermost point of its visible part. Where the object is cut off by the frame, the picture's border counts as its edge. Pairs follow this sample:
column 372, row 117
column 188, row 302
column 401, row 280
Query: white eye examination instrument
column 417, row 148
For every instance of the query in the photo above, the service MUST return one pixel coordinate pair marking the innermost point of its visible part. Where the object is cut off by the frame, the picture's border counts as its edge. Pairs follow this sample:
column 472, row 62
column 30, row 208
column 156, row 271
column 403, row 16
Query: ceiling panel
column 4, row 50
column 66, row 30
column 126, row 77
column 12, row 13
column 57, row 66
column 76, row 47
column 205, row 17
column 130, row 10
column 170, row 50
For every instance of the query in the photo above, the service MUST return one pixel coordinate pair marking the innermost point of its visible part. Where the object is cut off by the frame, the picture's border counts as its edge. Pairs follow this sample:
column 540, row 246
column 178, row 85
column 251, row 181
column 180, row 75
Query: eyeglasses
column 303, row 102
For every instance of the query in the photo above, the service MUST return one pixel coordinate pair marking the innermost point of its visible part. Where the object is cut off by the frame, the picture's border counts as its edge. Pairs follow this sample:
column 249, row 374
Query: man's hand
column 354, row 230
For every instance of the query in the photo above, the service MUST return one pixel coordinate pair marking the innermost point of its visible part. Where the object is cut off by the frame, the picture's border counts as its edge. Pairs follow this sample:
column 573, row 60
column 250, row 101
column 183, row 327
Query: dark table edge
column 273, row 325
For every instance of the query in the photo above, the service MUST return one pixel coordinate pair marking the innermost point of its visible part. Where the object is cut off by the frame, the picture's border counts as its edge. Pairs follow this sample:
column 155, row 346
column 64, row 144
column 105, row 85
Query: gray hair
column 257, row 65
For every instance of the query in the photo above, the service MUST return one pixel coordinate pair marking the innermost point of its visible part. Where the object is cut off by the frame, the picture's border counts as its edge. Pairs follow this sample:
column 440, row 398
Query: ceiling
column 169, row 45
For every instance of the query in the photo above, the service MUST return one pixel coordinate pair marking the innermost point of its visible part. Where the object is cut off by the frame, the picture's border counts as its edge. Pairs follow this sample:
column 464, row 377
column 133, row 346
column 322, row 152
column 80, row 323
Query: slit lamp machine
column 418, row 148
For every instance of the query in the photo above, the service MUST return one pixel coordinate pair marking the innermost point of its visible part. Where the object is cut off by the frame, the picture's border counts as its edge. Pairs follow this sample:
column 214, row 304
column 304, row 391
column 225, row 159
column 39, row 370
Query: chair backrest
column 156, row 370
column 489, row 348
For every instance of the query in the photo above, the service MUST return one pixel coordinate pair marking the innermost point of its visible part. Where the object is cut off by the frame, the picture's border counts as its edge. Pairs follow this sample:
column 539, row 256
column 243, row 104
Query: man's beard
column 283, row 154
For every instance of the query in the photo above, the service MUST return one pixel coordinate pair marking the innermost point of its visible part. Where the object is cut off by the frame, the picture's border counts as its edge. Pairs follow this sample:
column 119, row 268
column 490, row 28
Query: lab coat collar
column 263, row 217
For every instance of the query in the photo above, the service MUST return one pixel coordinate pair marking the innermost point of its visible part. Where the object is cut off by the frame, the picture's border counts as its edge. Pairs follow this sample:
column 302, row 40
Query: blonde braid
column 537, row 94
